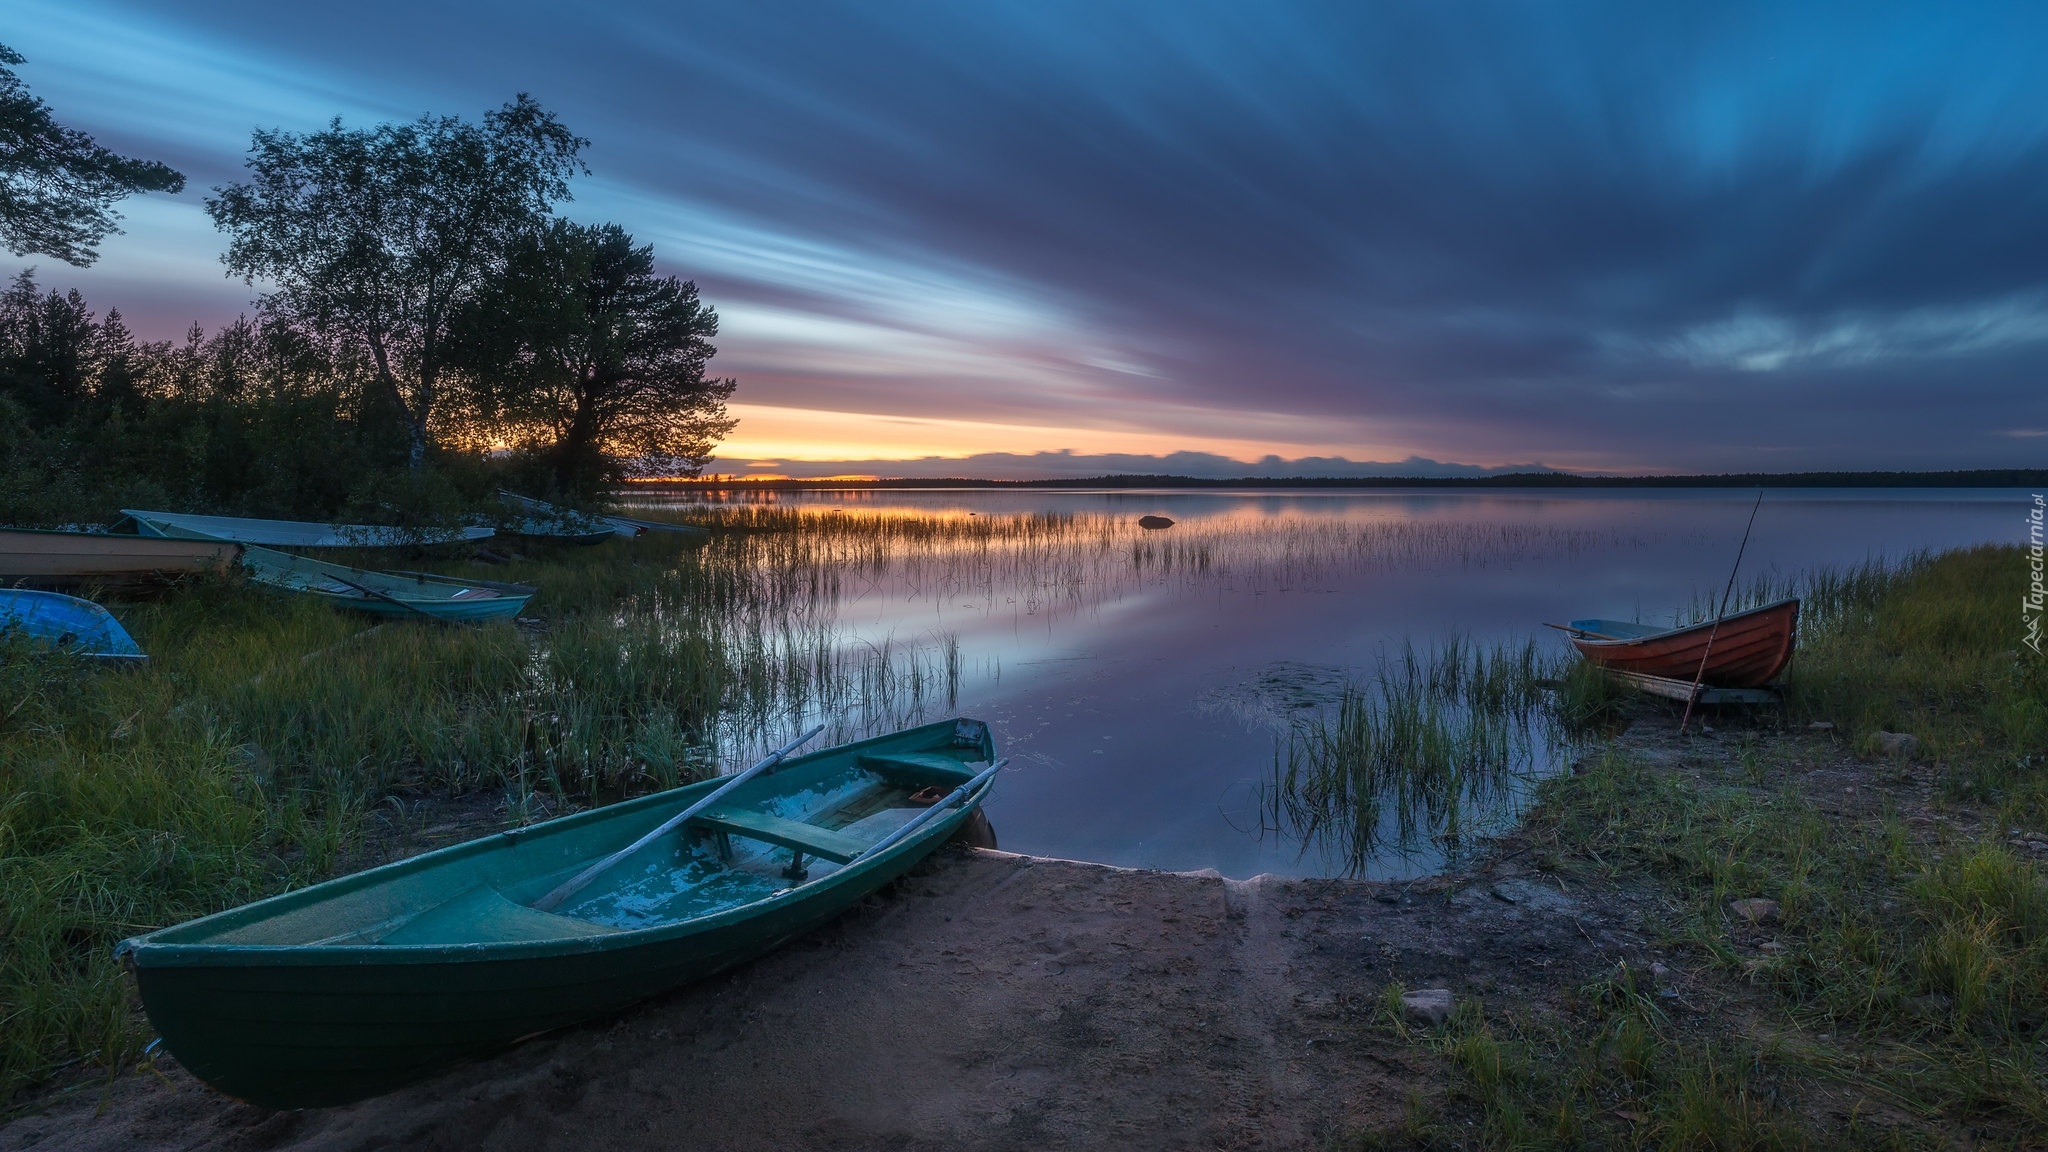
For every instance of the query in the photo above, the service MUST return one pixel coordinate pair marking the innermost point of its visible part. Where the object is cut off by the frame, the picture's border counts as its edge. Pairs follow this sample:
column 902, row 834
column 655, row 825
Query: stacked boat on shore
column 67, row 624
column 546, row 519
column 414, row 594
column 155, row 547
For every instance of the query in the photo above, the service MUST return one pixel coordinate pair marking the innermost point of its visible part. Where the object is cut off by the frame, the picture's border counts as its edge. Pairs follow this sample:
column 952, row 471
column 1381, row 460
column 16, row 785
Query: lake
column 1142, row 681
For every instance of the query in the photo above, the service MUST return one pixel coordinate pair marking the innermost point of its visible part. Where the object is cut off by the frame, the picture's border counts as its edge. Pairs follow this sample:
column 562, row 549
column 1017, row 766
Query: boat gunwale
column 429, row 577
column 336, row 539
column 257, row 563
column 1584, row 641
column 146, row 952
column 124, row 537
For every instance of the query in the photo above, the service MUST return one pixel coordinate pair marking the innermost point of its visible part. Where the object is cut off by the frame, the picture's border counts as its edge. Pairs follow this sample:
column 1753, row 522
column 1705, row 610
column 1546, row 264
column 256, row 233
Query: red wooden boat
column 1749, row 648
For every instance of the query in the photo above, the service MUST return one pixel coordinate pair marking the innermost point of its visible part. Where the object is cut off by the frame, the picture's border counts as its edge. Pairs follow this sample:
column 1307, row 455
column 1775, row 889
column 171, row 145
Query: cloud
column 1693, row 238
column 1752, row 343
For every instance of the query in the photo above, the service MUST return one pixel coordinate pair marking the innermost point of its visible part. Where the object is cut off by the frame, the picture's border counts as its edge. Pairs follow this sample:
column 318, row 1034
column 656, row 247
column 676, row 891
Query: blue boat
column 68, row 624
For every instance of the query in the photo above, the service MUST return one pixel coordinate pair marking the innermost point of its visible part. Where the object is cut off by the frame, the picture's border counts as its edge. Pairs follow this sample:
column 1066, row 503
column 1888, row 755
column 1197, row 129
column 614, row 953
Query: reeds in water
column 810, row 559
column 1428, row 753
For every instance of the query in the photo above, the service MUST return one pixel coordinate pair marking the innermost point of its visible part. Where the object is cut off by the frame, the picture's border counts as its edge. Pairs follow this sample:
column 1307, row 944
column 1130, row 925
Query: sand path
column 988, row 1001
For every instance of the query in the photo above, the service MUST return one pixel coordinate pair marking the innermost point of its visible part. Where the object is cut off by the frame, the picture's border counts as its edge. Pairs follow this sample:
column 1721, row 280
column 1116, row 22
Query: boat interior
column 795, row 826
column 1616, row 629
column 287, row 570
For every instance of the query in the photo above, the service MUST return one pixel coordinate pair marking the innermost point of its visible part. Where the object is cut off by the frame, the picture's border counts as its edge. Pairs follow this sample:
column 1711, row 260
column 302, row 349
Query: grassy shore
column 247, row 756
column 1900, row 980
column 269, row 740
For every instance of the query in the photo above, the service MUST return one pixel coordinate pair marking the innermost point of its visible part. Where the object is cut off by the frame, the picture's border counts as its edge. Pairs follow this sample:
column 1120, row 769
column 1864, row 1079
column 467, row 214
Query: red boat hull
column 1749, row 649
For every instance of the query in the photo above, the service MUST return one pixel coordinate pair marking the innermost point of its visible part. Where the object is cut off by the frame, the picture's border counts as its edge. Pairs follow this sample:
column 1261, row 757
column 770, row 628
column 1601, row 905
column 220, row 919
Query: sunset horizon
column 1563, row 268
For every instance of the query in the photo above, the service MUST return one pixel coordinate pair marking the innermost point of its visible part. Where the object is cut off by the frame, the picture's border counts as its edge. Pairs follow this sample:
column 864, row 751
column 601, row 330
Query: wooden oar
column 576, row 883
column 368, row 591
column 928, row 815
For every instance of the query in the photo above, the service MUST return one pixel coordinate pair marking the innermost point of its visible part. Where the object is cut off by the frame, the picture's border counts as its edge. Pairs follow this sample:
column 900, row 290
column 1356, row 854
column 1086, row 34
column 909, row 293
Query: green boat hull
column 404, row 595
column 317, row 1023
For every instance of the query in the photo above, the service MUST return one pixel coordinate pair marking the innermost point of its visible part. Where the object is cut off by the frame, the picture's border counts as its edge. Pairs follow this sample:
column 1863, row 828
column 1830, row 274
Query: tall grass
column 106, row 830
column 1919, row 646
column 1932, row 648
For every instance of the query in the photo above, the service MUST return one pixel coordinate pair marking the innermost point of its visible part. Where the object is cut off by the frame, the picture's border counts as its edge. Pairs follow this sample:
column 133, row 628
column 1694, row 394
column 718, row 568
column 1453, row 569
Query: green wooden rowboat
column 289, row 533
column 620, row 525
column 359, row 985
column 544, row 521
column 402, row 594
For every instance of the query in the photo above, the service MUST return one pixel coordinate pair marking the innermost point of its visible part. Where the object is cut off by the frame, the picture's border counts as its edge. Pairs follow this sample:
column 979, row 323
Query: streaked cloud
column 1604, row 236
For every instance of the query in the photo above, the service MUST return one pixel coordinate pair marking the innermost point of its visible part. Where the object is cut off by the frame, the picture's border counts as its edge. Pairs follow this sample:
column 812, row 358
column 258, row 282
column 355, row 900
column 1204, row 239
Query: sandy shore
column 989, row 1000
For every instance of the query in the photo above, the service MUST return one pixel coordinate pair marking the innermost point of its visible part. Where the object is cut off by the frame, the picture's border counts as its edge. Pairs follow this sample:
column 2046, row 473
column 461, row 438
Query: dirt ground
column 987, row 1001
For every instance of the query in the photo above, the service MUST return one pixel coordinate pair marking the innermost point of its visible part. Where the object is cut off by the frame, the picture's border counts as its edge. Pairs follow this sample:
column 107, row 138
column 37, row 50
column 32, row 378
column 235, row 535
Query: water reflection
column 1136, row 676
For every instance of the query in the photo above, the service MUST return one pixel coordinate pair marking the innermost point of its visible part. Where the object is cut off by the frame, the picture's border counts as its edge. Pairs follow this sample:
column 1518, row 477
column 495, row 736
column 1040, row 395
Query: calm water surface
column 1139, row 679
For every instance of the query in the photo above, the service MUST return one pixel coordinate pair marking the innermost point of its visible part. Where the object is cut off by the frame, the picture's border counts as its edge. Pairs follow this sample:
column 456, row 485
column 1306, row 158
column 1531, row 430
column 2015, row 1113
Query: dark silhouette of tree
column 57, row 187
column 253, row 419
column 375, row 238
column 48, row 346
column 582, row 355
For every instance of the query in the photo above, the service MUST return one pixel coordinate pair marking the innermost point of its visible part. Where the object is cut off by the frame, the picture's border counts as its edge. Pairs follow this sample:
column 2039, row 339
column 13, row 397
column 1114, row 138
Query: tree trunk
column 422, row 405
column 415, row 417
column 577, row 446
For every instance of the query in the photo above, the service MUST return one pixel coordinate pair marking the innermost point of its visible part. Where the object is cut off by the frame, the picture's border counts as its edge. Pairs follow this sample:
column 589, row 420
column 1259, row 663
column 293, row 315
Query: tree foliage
column 583, row 356
column 375, row 238
column 419, row 295
column 58, row 187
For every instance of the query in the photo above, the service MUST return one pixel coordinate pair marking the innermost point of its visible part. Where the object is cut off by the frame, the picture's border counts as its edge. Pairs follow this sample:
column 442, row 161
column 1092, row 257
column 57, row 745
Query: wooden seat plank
column 823, row 843
column 918, row 768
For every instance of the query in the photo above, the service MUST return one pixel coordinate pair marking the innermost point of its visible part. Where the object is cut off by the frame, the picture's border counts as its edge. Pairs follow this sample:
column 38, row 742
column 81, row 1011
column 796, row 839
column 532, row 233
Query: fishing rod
column 1725, row 594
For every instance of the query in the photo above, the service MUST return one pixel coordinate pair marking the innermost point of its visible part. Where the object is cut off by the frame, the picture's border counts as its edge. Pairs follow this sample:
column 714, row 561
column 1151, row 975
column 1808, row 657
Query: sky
column 1063, row 237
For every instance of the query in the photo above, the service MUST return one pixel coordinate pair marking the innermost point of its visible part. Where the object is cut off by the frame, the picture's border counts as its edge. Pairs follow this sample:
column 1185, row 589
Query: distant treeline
column 1970, row 478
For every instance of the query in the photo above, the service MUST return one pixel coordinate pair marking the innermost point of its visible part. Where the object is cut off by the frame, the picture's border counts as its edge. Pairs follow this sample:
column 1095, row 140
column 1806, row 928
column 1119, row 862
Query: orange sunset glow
column 768, row 435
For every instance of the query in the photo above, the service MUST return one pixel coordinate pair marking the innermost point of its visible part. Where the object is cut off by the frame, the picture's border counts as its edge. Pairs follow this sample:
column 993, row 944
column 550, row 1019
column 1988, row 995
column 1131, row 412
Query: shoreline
column 997, row 1000
column 1051, row 1002
column 1768, row 932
